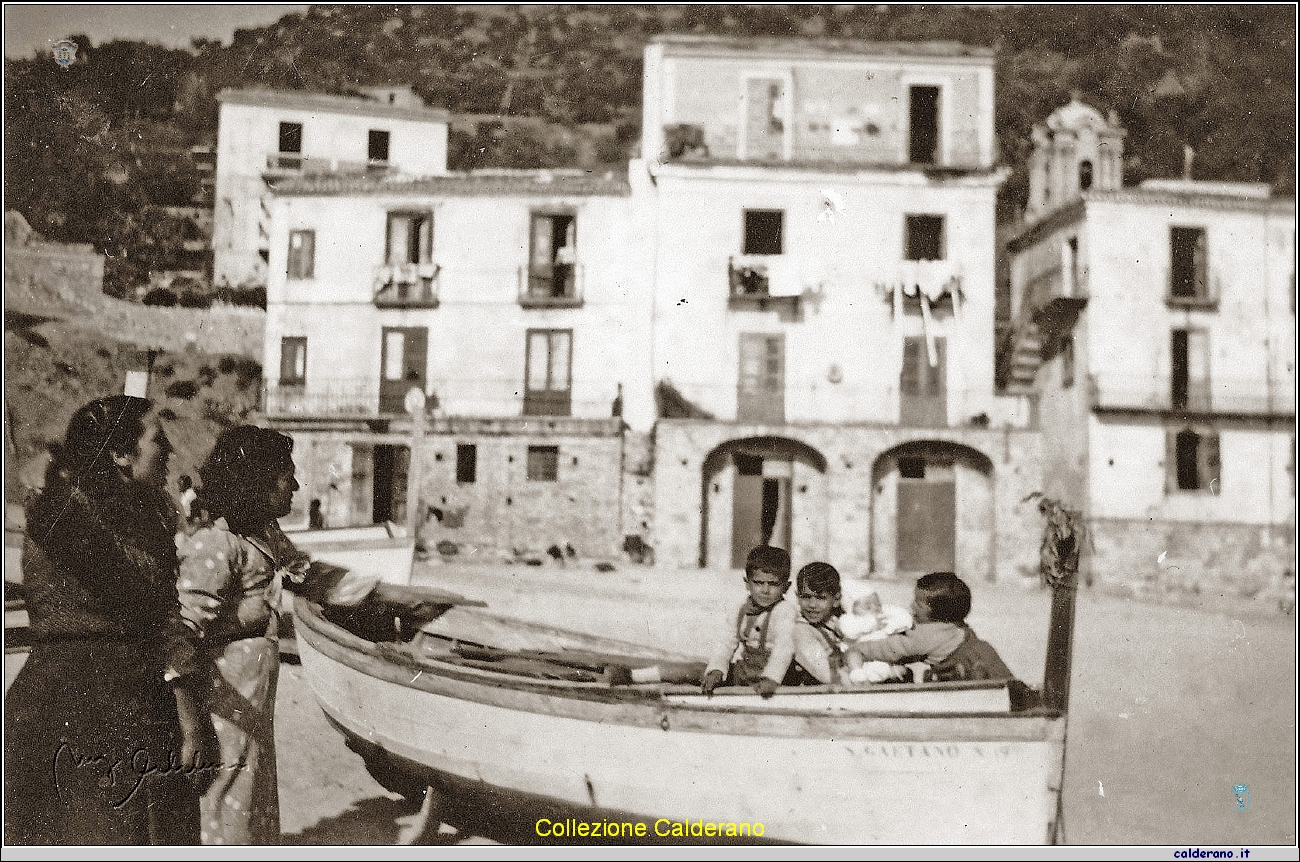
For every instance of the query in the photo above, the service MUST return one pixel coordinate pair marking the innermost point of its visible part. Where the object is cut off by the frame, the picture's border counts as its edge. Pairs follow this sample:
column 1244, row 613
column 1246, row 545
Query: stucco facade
column 1166, row 315
column 840, row 259
column 271, row 134
column 533, row 372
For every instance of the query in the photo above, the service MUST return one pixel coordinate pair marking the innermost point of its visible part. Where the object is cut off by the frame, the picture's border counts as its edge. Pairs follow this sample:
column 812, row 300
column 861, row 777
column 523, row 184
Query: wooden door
column 761, row 393
column 922, row 386
column 403, row 362
column 746, row 507
column 927, row 520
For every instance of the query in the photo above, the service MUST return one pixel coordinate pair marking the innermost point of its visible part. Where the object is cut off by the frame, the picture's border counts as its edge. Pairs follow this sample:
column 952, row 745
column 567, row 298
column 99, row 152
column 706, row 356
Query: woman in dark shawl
column 103, row 724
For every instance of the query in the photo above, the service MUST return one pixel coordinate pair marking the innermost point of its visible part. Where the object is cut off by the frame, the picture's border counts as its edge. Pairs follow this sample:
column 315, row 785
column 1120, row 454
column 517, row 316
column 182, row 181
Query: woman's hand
column 200, row 750
column 766, row 687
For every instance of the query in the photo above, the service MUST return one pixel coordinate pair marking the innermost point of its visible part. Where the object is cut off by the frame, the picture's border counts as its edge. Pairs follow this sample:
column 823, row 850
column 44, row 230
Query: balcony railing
column 409, row 285
column 488, row 397
column 755, row 280
column 1227, row 396
column 341, row 397
column 297, row 163
column 557, row 286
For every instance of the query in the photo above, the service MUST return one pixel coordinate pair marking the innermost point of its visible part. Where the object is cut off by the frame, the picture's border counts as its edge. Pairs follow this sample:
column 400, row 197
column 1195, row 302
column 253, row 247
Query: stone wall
column 502, row 510
column 1150, row 557
column 997, row 534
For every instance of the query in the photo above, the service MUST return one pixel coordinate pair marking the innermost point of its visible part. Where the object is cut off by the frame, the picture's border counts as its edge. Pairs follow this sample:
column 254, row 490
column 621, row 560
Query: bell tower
column 1075, row 150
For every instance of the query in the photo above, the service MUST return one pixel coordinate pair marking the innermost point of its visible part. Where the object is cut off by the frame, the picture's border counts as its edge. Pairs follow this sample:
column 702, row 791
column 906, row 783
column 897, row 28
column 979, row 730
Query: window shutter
column 426, row 240
column 397, row 227
column 910, row 384
column 1200, row 286
column 1171, row 461
column 1209, row 458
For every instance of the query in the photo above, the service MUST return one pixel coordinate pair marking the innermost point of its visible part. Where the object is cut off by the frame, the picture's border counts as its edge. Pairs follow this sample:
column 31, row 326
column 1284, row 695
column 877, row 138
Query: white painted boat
column 516, row 727
column 371, row 550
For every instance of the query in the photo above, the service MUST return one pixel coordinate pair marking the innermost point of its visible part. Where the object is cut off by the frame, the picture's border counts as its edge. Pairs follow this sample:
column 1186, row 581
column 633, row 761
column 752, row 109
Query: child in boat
column 871, row 620
column 940, row 637
column 756, row 647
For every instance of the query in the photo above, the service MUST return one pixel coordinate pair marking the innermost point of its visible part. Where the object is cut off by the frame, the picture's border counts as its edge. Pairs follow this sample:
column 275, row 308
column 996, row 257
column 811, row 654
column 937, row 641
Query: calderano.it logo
column 65, row 52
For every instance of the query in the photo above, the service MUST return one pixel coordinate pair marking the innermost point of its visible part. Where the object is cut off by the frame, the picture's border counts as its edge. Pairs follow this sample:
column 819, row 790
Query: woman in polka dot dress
column 231, row 574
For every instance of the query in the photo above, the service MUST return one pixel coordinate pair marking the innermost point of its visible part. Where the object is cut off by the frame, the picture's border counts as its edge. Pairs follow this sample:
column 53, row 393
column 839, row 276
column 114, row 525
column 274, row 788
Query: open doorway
column 760, row 513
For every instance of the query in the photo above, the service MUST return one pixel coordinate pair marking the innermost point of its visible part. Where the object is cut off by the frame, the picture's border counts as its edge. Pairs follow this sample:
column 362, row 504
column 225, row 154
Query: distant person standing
column 315, row 517
column 105, row 720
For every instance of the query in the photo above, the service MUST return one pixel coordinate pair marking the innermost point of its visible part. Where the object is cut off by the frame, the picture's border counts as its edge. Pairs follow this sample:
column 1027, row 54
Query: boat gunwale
column 646, row 705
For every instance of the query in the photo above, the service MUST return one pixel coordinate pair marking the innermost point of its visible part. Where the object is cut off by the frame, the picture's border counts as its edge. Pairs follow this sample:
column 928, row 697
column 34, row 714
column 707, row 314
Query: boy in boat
column 940, row 637
column 818, row 640
column 757, row 647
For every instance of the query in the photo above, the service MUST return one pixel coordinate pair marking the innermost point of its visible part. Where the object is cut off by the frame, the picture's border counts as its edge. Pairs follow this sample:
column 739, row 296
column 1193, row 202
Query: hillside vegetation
column 93, row 151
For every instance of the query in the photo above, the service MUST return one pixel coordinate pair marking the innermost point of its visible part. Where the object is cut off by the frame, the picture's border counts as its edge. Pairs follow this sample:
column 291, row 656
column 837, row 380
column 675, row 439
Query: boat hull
column 792, row 772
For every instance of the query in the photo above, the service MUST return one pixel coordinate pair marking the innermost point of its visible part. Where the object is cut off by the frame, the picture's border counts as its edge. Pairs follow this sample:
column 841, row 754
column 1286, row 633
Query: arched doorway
column 932, row 510
column 754, row 491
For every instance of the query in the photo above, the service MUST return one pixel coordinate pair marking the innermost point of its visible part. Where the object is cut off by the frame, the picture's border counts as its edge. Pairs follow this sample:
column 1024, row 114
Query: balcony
column 408, row 285
column 338, row 397
column 924, row 287
column 761, row 282
column 557, row 286
column 1243, row 397
column 283, row 164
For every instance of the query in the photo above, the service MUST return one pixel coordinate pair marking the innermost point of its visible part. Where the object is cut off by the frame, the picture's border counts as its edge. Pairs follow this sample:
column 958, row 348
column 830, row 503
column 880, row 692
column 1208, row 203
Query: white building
column 516, row 302
column 823, row 219
column 1163, row 319
column 265, row 135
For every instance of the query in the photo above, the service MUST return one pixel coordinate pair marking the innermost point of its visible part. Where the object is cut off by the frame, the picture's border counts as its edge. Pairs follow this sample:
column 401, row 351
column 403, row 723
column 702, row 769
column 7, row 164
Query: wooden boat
column 374, row 550
column 531, row 727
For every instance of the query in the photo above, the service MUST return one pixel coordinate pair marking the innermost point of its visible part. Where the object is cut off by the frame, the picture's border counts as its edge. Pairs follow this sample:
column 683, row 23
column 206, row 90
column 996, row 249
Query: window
column 403, row 360
column 922, row 384
column 466, row 463
column 291, row 138
column 760, row 379
column 410, row 238
column 1187, row 266
column 377, row 147
column 1192, row 459
column 924, row 239
column 302, row 253
column 293, row 361
column 543, row 463
column 548, row 385
column 923, row 131
column 763, row 231
column 911, row 468
column 1085, row 175
column 552, row 258
column 1189, row 365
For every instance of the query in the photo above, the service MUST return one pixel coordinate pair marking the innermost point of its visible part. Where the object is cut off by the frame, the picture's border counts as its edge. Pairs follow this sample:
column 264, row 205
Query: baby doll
column 870, row 620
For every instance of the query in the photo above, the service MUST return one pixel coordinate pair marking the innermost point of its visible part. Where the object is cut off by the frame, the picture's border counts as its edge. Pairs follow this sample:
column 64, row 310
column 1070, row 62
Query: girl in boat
column 104, row 721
